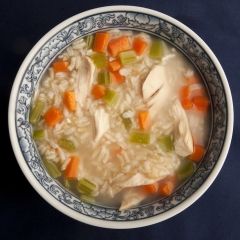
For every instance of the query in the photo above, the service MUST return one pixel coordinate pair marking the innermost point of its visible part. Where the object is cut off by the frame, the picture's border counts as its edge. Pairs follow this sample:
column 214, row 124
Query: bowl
column 154, row 23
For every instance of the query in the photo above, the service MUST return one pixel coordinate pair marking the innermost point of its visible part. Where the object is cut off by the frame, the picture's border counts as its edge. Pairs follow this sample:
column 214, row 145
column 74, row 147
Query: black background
column 25, row 215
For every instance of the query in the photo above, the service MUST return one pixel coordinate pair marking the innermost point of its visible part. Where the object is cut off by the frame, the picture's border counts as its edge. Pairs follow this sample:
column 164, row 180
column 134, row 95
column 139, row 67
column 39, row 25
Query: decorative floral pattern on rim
column 135, row 21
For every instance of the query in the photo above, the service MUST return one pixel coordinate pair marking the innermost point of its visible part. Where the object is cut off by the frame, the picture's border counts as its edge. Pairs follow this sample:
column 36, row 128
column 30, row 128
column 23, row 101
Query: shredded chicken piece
column 132, row 198
column 101, row 119
column 85, row 77
column 156, row 91
column 137, row 179
column 153, row 82
column 183, row 141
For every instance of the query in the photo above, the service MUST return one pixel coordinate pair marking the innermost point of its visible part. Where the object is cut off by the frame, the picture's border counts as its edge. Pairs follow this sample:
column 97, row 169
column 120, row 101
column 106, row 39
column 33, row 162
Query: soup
column 120, row 118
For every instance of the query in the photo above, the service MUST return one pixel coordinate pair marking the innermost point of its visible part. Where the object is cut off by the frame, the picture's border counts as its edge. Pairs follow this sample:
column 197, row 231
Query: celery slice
column 99, row 59
column 87, row 199
column 38, row 134
column 66, row 144
column 139, row 137
column 69, row 183
column 89, row 41
column 186, row 169
column 103, row 77
column 165, row 143
column 127, row 122
column 85, row 187
column 127, row 119
column 36, row 112
column 110, row 97
column 156, row 49
column 127, row 57
column 52, row 169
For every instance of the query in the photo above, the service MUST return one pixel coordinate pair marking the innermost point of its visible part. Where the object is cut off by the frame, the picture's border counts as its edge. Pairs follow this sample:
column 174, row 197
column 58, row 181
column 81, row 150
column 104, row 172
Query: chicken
column 132, row 198
column 156, row 91
column 85, row 77
column 101, row 120
column 135, row 180
column 153, row 82
column 183, row 141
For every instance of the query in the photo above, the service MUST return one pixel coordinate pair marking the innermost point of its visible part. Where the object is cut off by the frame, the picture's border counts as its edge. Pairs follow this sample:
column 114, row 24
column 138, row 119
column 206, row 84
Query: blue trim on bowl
column 179, row 39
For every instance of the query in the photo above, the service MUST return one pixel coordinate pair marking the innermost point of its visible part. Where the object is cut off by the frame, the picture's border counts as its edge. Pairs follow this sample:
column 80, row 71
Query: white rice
column 96, row 159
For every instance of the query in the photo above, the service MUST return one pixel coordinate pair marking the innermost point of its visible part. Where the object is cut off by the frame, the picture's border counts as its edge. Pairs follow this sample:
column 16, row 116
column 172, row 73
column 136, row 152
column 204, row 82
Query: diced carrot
column 167, row 186
column 192, row 79
column 98, row 91
column 118, row 45
column 114, row 65
column 184, row 92
column 201, row 103
column 53, row 116
column 185, row 97
column 186, row 103
column 117, row 77
column 101, row 41
column 198, row 152
column 144, row 119
column 69, row 100
column 151, row 188
column 60, row 66
column 71, row 170
column 139, row 45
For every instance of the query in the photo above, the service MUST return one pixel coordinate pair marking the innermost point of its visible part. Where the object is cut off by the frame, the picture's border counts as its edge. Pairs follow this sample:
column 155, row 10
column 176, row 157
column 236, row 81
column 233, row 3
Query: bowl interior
column 161, row 27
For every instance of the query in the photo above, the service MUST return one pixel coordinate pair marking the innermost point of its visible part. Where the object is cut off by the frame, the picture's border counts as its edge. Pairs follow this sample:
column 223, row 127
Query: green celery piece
column 156, row 49
column 103, row 77
column 127, row 57
column 69, row 183
column 86, row 187
column 36, row 112
column 110, row 97
column 89, row 41
column 166, row 143
column 87, row 199
column 139, row 137
column 52, row 169
column 38, row 134
column 66, row 144
column 127, row 122
column 186, row 169
column 100, row 60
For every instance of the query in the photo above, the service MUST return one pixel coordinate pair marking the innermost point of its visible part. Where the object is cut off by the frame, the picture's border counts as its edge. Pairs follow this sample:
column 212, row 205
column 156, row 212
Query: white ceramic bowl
column 125, row 17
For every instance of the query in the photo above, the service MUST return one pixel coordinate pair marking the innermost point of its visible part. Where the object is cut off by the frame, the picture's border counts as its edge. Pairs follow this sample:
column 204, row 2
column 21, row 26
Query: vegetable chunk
column 139, row 45
column 71, row 171
column 101, row 41
column 139, row 137
column 69, row 100
column 118, row 45
column 53, row 116
column 36, row 112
